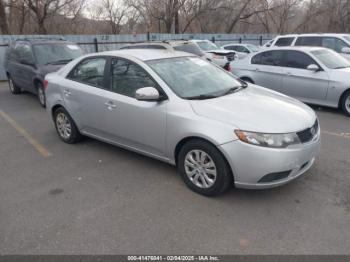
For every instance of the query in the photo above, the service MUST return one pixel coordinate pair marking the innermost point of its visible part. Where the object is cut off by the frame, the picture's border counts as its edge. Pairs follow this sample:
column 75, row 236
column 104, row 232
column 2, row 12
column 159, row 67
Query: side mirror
column 313, row 67
column 147, row 94
column 346, row 50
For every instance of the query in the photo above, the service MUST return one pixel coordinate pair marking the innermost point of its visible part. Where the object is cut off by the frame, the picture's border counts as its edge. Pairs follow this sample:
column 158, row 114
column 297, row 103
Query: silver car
column 313, row 75
column 184, row 110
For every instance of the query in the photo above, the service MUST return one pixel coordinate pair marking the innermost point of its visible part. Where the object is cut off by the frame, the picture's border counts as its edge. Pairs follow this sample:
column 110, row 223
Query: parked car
column 27, row 61
column 185, row 46
column 340, row 43
column 185, row 111
column 314, row 75
column 242, row 50
column 215, row 54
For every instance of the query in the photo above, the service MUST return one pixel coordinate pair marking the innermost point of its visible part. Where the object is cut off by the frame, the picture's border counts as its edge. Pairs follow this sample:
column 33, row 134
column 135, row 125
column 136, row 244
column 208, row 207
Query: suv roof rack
column 40, row 38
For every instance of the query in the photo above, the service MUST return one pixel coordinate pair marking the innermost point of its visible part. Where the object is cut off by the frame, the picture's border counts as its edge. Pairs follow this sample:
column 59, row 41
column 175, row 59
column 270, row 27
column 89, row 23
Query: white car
column 337, row 42
column 242, row 50
column 314, row 75
column 215, row 54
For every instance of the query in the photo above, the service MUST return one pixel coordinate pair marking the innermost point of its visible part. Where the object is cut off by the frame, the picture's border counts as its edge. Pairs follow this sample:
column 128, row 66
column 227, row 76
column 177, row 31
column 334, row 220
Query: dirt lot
column 94, row 198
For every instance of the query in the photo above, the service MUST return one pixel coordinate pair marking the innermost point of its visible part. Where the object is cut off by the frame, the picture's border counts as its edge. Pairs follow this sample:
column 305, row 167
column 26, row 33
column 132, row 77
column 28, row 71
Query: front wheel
column 203, row 168
column 345, row 103
column 14, row 89
column 65, row 127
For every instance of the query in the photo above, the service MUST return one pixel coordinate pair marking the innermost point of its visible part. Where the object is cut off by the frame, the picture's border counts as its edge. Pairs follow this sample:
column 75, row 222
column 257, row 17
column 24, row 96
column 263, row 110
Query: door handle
column 110, row 105
column 67, row 92
column 257, row 69
column 289, row 73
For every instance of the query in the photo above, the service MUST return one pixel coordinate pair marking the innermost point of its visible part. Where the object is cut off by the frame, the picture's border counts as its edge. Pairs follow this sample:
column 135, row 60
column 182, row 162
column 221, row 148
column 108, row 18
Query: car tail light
column 46, row 83
column 229, row 68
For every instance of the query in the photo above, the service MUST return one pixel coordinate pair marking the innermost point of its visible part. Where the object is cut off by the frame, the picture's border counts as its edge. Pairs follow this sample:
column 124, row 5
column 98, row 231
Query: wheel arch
column 342, row 96
column 247, row 78
column 183, row 141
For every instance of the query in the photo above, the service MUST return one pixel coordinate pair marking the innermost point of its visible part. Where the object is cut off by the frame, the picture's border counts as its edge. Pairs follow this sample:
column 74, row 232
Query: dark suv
column 27, row 61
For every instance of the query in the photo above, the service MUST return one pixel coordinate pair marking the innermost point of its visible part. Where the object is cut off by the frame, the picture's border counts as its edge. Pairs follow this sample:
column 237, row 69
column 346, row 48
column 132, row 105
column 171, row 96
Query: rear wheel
column 345, row 103
column 14, row 89
column 41, row 94
column 203, row 168
column 65, row 127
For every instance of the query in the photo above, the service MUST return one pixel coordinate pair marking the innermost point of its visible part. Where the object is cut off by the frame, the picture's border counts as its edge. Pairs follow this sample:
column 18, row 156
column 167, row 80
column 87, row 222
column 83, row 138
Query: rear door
column 301, row 83
column 267, row 69
column 87, row 97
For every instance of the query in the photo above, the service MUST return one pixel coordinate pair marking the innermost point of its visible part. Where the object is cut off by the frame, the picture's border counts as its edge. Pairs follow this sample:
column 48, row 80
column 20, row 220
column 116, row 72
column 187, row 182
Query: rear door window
column 269, row 58
column 284, row 41
column 90, row 71
column 296, row 59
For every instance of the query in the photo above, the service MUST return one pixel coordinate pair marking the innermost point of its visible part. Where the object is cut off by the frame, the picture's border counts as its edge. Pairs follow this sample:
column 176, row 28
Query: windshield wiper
column 341, row 67
column 201, row 97
column 63, row 61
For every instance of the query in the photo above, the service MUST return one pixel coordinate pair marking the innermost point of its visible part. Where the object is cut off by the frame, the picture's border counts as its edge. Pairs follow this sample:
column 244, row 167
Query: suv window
column 240, row 49
column 24, row 53
column 90, row 71
column 334, row 43
column 127, row 77
column 309, row 41
column 297, row 59
column 270, row 58
column 284, row 41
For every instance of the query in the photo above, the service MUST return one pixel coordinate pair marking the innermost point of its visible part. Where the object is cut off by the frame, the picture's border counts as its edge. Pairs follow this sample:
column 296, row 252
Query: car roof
column 147, row 54
column 298, row 48
column 317, row 34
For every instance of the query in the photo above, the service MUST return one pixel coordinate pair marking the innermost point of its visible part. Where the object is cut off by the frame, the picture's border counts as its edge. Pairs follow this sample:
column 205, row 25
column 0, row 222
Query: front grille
column 308, row 134
column 230, row 57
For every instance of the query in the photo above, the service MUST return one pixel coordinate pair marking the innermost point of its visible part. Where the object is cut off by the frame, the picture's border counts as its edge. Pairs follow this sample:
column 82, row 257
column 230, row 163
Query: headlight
column 215, row 56
column 268, row 140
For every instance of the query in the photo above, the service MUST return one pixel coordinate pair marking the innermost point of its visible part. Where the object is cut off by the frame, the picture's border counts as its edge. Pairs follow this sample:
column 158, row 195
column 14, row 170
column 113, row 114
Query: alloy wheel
column 200, row 168
column 347, row 104
column 64, row 127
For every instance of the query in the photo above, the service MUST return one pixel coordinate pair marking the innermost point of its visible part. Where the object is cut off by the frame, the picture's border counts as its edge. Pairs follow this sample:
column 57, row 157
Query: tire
column 248, row 80
column 41, row 94
column 193, row 175
column 65, row 127
column 14, row 89
column 345, row 103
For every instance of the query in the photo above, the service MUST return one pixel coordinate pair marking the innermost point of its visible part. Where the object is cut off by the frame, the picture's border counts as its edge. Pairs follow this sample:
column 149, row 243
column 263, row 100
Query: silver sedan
column 188, row 112
column 313, row 75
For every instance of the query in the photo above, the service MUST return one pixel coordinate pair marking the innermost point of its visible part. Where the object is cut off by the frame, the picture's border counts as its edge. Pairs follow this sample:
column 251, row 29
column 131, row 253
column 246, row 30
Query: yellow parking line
column 39, row 147
column 343, row 135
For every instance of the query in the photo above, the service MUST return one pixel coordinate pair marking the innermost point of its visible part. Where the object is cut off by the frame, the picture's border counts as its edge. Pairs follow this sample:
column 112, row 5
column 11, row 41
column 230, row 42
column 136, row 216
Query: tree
column 3, row 19
column 44, row 9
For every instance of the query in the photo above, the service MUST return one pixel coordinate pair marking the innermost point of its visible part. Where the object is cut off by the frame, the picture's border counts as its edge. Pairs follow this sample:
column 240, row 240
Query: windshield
column 253, row 48
column 207, row 46
column 191, row 77
column 56, row 53
column 331, row 59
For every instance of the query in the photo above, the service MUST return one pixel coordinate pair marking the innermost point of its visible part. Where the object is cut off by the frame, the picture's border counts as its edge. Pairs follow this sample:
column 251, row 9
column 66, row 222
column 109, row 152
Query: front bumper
column 250, row 164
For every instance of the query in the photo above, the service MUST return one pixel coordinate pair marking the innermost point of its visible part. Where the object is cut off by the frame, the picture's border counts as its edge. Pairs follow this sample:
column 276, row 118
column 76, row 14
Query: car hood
column 257, row 109
column 45, row 69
